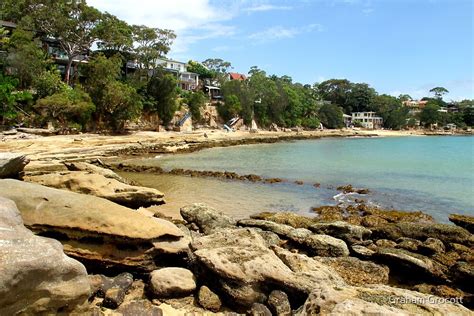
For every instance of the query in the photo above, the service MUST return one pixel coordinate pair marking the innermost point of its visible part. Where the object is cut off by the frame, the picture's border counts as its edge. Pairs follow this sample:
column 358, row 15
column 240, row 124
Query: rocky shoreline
column 353, row 259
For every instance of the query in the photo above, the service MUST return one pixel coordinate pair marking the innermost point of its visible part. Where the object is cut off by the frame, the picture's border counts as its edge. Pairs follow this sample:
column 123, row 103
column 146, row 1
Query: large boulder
column 12, row 164
column 247, row 271
column 171, row 282
column 36, row 276
column 99, row 232
column 375, row 300
column 206, row 218
column 84, row 166
column 99, row 185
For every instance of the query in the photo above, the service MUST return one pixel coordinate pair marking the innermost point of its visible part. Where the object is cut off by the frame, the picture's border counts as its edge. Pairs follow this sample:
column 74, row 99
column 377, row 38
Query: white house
column 367, row 119
column 187, row 80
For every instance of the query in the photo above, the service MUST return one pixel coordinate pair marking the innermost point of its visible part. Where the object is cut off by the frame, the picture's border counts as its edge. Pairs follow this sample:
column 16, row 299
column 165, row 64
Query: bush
column 196, row 102
column 162, row 95
column 331, row 116
column 70, row 107
column 231, row 108
column 11, row 99
column 310, row 122
column 48, row 83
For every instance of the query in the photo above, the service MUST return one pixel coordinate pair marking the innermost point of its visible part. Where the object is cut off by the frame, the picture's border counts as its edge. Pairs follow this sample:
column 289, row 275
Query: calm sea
column 432, row 174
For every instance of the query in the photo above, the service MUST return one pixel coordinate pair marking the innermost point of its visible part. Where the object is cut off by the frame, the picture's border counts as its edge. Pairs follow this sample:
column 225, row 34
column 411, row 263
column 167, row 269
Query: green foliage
column 360, row 98
column 11, row 99
column 48, row 83
column 116, row 102
column 71, row 106
column 335, row 91
column 25, row 57
column 200, row 69
column 331, row 116
column 114, row 34
column 392, row 111
column 439, row 92
column 231, row 108
column 468, row 116
column 196, row 102
column 245, row 98
column 429, row 114
column 310, row 122
column 162, row 96
column 218, row 68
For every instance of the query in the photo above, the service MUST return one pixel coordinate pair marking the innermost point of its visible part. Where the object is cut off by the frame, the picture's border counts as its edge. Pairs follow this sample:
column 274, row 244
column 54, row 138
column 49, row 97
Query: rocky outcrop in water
column 464, row 221
column 96, row 230
column 36, row 276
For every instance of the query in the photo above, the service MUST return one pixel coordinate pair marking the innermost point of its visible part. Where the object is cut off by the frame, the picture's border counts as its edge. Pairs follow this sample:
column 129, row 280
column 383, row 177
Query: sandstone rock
column 355, row 271
column 409, row 244
column 465, row 253
column 96, row 230
column 432, row 246
column 208, row 299
column 36, row 276
column 287, row 218
column 258, row 309
column 362, row 251
column 279, row 304
column 247, row 270
column 375, row 300
column 342, row 230
column 320, row 245
column 385, row 243
column 84, row 166
column 444, row 232
column 12, row 164
column 113, row 297
column 207, row 218
column 169, row 282
column 464, row 221
column 101, row 186
column 140, row 307
column 406, row 262
column 439, row 290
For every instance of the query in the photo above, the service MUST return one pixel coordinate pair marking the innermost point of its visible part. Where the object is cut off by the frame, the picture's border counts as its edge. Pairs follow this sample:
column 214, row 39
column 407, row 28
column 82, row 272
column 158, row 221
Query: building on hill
column 237, row 76
column 367, row 120
column 414, row 106
column 187, row 80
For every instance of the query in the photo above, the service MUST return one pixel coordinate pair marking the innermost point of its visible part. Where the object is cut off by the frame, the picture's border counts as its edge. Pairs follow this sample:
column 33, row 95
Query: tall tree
column 439, row 92
column 331, row 116
column 430, row 113
column 162, row 91
column 114, row 34
column 71, row 22
column 335, row 90
column 151, row 44
column 218, row 67
column 359, row 98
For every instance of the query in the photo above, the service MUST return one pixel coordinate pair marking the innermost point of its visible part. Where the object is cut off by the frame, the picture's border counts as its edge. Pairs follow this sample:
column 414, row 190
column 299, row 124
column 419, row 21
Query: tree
column 439, row 92
column 335, row 90
column 162, row 91
column 392, row 111
column 468, row 115
column 151, row 44
column 331, row 116
column 404, row 97
column 203, row 72
column 71, row 22
column 48, row 83
column 359, row 98
column 196, row 102
column 430, row 114
column 69, row 108
column 116, row 102
column 25, row 57
column 231, row 108
column 114, row 34
column 218, row 67
column 10, row 99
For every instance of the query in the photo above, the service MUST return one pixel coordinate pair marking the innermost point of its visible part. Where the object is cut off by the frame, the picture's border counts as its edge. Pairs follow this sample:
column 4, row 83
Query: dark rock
column 279, row 304
column 463, row 274
column 406, row 262
column 329, row 213
column 464, row 221
column 208, row 299
column 206, row 218
column 100, row 284
column 12, row 164
column 113, row 298
column 431, row 246
column 342, row 230
column 258, row 309
column 465, row 253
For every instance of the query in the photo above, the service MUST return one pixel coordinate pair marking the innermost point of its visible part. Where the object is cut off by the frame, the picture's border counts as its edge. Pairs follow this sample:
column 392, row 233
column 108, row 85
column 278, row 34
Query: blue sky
column 397, row 46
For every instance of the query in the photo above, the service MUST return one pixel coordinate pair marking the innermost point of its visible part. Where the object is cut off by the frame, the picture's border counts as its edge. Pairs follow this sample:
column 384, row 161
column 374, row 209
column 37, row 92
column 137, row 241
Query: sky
column 396, row 46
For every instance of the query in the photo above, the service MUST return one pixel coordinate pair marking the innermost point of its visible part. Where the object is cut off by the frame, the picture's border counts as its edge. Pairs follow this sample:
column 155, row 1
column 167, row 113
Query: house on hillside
column 415, row 106
column 53, row 49
column 367, row 120
column 237, row 76
column 187, row 80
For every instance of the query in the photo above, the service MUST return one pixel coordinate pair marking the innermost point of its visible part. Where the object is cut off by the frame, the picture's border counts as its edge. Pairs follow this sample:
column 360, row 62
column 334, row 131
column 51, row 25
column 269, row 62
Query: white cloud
column 280, row 32
column 192, row 20
column 266, row 7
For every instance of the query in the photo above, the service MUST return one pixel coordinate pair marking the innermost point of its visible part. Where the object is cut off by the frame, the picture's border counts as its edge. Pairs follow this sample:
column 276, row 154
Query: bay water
column 432, row 174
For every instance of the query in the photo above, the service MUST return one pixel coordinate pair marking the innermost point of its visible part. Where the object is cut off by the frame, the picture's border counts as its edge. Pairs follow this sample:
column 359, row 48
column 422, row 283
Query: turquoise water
column 432, row 174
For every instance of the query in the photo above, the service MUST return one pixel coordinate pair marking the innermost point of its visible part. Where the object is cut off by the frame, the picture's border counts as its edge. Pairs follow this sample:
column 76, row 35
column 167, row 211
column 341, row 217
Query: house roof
column 236, row 76
column 7, row 24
